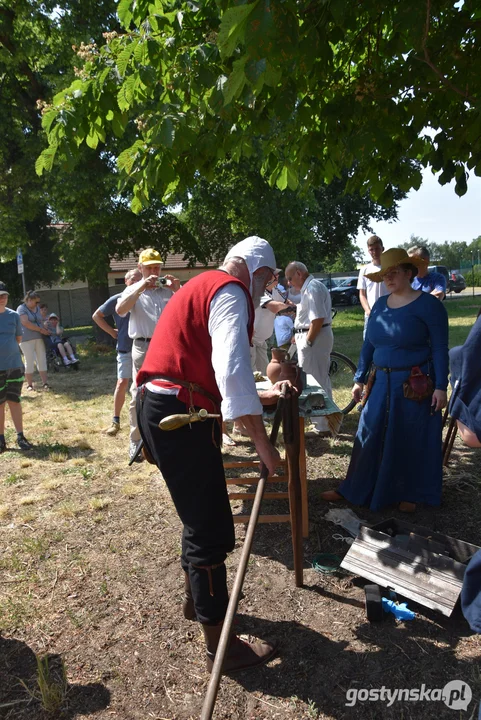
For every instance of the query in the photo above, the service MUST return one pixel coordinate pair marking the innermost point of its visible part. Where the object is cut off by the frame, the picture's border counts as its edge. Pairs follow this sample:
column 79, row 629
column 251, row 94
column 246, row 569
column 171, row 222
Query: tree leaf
column 127, row 158
column 126, row 92
column 235, row 81
column 461, row 187
column 119, row 123
column 124, row 12
column 292, row 178
column 232, row 27
column 281, row 181
column 92, row 139
column 136, row 205
column 124, row 57
column 166, row 133
column 45, row 159
column 48, row 119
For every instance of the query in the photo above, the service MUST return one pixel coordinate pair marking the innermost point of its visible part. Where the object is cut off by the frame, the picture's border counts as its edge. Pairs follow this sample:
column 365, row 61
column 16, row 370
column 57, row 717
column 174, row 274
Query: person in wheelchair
column 60, row 344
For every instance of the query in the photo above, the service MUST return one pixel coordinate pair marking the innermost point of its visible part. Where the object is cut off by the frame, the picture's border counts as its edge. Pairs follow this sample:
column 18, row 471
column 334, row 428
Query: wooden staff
column 213, row 687
column 292, row 444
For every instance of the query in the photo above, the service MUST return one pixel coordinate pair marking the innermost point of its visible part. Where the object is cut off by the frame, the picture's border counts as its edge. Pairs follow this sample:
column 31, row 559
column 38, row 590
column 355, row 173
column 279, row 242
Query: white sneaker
column 73, row 359
column 66, row 361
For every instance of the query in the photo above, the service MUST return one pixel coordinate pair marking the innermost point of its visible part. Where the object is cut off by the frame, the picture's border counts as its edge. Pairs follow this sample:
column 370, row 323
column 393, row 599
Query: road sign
column 20, row 262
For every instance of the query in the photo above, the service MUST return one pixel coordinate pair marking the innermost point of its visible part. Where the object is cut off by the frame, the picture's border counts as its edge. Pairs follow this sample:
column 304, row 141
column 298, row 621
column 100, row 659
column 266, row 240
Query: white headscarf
column 256, row 252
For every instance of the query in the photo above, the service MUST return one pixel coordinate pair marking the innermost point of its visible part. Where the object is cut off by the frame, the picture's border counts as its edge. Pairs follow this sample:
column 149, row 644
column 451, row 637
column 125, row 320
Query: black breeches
column 191, row 465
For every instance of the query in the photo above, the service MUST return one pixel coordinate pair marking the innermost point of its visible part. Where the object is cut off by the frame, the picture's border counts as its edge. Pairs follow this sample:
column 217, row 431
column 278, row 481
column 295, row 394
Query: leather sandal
column 407, row 507
column 332, row 496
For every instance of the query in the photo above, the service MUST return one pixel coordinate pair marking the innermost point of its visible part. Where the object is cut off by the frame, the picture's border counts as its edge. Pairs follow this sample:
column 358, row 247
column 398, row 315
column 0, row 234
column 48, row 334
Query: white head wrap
column 256, row 252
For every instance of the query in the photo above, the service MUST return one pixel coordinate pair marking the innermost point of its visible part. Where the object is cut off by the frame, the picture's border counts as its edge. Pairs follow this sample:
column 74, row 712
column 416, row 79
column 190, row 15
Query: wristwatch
column 309, row 343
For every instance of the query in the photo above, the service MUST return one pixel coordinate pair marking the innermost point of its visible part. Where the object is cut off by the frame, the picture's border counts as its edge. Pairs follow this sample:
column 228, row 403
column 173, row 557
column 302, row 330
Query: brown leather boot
column 188, row 608
column 240, row 655
column 188, row 603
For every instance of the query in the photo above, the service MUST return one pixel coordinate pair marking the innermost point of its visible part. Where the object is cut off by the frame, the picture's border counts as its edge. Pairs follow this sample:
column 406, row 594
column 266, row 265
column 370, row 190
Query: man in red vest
column 199, row 357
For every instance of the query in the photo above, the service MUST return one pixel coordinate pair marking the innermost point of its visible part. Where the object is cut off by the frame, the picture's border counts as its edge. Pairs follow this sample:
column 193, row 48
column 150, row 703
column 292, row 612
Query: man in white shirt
column 314, row 338
column 145, row 301
column 207, row 365
column 272, row 302
column 370, row 291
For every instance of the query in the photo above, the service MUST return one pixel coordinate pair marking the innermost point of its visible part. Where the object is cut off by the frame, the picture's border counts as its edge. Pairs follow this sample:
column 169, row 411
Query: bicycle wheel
column 341, row 373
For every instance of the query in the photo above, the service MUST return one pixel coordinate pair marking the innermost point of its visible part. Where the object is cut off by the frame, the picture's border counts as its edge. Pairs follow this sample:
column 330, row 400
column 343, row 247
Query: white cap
column 256, row 252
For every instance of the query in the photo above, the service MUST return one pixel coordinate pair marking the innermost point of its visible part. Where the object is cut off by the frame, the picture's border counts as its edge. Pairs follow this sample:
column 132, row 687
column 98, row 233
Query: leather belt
column 302, row 330
column 143, row 339
column 401, row 369
column 192, row 387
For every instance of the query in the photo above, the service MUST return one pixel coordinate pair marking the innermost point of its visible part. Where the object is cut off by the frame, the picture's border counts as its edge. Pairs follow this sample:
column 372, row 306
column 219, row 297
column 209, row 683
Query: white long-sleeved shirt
column 227, row 326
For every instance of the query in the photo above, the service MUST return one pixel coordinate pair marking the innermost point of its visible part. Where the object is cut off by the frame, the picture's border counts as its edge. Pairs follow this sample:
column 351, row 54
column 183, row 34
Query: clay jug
column 291, row 371
column 275, row 366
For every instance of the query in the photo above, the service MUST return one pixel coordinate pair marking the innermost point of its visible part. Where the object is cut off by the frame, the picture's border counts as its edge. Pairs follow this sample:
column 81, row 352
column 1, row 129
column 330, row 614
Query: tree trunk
column 98, row 294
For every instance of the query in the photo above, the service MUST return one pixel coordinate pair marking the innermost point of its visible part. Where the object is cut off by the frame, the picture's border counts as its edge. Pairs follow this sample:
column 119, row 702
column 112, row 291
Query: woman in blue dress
column 397, row 451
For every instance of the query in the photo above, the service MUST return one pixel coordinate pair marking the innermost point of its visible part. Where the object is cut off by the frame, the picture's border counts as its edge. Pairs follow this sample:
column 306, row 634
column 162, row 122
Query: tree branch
column 426, row 59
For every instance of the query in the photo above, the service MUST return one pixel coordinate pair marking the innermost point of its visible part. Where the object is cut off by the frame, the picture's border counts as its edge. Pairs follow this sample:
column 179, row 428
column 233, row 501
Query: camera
column 162, row 282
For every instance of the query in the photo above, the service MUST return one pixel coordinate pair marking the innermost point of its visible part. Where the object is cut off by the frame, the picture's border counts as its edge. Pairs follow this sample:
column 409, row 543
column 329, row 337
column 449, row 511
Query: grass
column 349, row 323
column 51, row 687
column 79, row 330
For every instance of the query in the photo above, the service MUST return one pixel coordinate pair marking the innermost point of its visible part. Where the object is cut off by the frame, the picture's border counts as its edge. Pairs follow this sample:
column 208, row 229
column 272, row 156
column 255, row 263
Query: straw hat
column 391, row 259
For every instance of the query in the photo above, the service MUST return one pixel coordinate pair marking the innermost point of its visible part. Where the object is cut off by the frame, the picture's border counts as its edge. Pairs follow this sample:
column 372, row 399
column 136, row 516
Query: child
column 284, row 328
column 43, row 311
column 62, row 345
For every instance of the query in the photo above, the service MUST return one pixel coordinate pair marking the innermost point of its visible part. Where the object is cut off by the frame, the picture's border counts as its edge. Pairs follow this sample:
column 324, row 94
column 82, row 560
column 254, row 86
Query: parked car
column 346, row 292
column 457, row 283
column 330, row 283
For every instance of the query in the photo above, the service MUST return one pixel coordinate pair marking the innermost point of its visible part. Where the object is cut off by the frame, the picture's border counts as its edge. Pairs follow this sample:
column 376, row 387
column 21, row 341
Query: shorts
column 124, row 366
column 11, row 382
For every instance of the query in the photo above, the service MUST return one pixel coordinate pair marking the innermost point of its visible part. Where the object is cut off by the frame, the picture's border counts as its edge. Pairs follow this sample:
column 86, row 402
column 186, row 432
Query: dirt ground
column 90, row 574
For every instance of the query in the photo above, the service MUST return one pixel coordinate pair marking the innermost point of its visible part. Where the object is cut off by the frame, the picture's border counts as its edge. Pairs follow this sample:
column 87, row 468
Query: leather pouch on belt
column 418, row 386
column 368, row 386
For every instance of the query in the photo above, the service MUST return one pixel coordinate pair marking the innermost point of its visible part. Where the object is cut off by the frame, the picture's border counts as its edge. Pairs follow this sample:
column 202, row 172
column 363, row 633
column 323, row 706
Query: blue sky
column 435, row 213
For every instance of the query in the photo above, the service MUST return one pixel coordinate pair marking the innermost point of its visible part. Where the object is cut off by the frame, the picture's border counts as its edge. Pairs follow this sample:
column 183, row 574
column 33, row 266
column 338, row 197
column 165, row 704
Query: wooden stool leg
column 449, row 441
column 303, row 479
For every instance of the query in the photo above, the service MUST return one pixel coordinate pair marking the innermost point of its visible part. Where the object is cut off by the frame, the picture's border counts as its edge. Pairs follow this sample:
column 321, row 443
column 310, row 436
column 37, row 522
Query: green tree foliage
column 37, row 61
column 317, row 226
column 321, row 86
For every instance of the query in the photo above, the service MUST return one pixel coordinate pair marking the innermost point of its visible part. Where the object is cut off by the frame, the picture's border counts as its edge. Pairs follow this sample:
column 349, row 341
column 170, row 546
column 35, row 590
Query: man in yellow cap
column 145, row 301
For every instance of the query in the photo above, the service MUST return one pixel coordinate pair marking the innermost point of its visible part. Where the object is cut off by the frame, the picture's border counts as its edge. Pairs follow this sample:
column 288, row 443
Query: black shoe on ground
column 23, row 444
column 3, row 446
